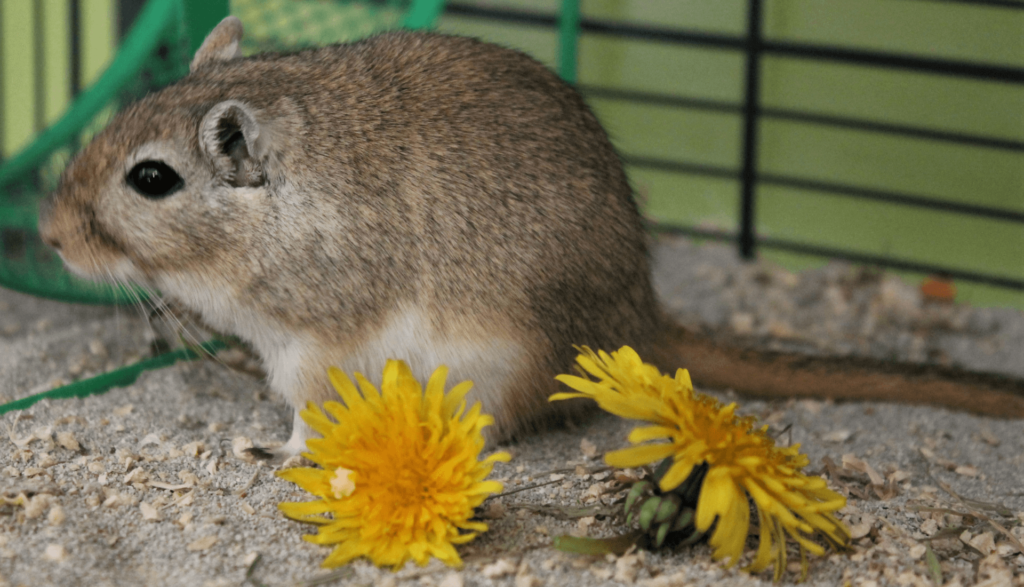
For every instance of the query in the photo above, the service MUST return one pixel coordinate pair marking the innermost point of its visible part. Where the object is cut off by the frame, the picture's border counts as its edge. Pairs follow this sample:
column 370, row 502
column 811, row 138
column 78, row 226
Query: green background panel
column 951, row 31
column 949, row 171
column 889, row 229
column 17, row 48
column 709, row 138
column 937, row 102
column 56, row 57
column 678, row 198
column 660, row 68
column 99, row 38
column 718, row 16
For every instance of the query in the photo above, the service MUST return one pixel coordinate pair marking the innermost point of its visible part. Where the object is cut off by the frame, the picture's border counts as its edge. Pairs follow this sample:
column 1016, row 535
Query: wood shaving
column 499, row 568
column 201, row 544
column 239, row 448
column 588, row 448
column 495, row 510
column 193, row 449
column 989, row 438
column 124, row 410
column 55, row 553
column 626, row 568
column 188, row 477
column 37, row 505
column 528, row 580
column 967, row 471
column 184, row 520
column 150, row 513
column 68, row 441
column 852, row 462
column 149, row 439
column 136, row 476
column 837, row 436
column 452, row 580
column 167, row 486
column 56, row 516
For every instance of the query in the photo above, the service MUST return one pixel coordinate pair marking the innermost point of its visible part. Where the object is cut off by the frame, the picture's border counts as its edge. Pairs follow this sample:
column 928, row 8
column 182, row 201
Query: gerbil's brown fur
column 415, row 196
column 446, row 198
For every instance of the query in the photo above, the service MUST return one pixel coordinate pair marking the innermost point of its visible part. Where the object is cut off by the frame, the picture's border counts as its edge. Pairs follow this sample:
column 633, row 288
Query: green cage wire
column 154, row 53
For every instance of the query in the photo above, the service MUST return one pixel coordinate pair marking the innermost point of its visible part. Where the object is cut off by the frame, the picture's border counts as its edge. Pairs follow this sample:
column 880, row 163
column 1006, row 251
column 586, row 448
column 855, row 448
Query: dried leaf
column 933, row 565
column 597, row 546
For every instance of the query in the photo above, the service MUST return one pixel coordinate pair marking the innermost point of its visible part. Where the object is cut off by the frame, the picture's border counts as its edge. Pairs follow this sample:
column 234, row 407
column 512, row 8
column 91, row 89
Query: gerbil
column 415, row 196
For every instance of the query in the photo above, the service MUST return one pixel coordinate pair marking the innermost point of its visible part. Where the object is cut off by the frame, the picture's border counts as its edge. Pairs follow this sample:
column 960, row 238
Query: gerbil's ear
column 230, row 136
column 222, row 44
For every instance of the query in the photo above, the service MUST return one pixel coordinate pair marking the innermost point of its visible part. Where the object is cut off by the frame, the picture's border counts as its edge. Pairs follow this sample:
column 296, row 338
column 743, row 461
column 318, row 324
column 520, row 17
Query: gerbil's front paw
column 293, row 448
column 276, row 456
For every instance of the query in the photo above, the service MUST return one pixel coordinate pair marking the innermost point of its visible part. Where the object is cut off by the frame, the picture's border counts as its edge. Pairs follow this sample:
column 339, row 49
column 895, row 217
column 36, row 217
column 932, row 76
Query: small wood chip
column 967, row 471
column 860, row 530
column 193, row 449
column 188, row 477
column 985, row 543
column 150, row 439
column 837, row 436
column 498, row 569
column 38, row 505
column 589, row 448
column 167, row 486
column 124, row 410
column 626, row 568
column 989, row 438
column 239, row 448
column 184, row 520
column 495, row 510
column 852, row 462
column 452, row 580
column 55, row 553
column 149, row 513
column 56, row 516
column 136, row 475
column 202, row 543
column 68, row 441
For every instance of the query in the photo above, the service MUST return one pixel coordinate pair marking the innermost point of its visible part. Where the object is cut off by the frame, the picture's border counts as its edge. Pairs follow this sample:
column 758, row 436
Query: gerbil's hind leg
column 301, row 432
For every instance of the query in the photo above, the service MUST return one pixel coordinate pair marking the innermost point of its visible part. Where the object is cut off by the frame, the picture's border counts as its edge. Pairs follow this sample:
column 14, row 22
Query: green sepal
column 635, row 493
column 647, row 512
column 663, row 531
column 684, row 519
column 668, row 509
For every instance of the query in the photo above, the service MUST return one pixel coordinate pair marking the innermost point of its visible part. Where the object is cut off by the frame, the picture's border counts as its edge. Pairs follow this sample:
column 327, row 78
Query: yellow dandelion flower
column 743, row 461
column 401, row 470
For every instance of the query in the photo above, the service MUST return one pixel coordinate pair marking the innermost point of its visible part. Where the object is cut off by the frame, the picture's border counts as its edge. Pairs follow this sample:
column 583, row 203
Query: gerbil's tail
column 725, row 365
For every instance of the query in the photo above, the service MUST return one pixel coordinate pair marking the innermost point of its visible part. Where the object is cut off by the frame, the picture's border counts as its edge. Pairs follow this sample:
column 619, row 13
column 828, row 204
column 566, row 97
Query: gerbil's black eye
column 154, row 179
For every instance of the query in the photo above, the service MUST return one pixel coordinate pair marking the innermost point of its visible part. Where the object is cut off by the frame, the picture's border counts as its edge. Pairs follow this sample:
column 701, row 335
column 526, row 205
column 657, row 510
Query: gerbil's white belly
column 491, row 361
column 297, row 364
